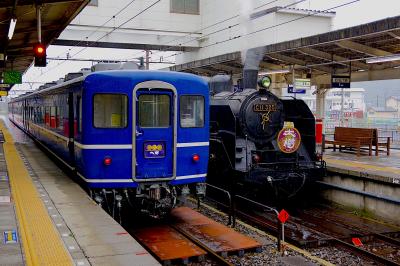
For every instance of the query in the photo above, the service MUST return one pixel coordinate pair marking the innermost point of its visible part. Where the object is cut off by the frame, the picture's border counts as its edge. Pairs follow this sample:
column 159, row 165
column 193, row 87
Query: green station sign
column 12, row 77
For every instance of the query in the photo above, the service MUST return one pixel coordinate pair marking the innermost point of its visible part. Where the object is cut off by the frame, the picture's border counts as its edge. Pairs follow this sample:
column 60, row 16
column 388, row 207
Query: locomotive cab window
column 192, row 111
column 110, row 110
column 154, row 110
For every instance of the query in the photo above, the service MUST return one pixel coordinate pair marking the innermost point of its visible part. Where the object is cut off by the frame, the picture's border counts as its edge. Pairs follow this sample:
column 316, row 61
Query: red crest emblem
column 289, row 139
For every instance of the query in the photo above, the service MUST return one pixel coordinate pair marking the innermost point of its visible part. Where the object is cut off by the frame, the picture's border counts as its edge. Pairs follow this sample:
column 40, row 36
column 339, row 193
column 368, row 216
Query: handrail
column 280, row 228
column 231, row 214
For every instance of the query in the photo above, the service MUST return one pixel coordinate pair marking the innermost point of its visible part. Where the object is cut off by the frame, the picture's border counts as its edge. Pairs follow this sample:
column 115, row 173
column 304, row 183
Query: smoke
column 253, row 57
column 246, row 8
column 250, row 57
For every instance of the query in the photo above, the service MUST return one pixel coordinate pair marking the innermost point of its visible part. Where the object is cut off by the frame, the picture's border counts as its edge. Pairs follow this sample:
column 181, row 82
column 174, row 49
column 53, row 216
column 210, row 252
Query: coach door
column 154, row 136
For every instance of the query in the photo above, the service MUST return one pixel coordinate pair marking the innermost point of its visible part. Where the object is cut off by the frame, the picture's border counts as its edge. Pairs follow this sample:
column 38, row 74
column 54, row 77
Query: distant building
column 394, row 102
column 382, row 113
column 353, row 102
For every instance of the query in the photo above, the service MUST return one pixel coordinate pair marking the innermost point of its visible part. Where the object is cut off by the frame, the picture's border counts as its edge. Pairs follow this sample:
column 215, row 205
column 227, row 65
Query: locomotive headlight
column 265, row 82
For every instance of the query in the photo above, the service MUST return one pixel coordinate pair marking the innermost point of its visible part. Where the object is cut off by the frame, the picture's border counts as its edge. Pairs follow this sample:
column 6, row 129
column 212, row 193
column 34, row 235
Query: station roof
column 322, row 54
column 56, row 15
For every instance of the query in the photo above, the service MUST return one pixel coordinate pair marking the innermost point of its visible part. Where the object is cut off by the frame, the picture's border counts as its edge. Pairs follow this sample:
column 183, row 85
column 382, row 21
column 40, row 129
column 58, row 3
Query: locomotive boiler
column 260, row 143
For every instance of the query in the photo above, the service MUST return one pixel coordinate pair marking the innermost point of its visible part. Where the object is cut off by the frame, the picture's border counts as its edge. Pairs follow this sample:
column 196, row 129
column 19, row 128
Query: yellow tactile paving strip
column 363, row 165
column 41, row 241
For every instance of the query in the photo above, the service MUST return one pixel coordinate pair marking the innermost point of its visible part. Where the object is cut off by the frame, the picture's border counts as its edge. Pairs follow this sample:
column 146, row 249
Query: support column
column 320, row 101
column 276, row 86
column 147, row 59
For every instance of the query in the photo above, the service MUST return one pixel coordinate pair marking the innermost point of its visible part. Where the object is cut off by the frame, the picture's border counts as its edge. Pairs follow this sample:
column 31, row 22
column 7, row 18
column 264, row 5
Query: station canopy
column 17, row 54
column 335, row 52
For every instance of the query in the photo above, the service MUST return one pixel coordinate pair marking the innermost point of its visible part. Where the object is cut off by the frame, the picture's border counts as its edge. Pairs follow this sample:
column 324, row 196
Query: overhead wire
column 226, row 28
column 108, row 33
column 271, row 27
column 219, row 30
column 100, row 26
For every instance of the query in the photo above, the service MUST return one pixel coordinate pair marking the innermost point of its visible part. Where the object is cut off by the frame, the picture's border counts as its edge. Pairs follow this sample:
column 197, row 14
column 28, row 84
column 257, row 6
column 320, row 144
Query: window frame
column 185, row 12
column 180, row 109
column 127, row 110
column 170, row 121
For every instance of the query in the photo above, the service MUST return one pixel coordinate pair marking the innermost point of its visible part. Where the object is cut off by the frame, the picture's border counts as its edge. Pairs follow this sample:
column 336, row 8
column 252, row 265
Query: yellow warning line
column 41, row 241
column 363, row 165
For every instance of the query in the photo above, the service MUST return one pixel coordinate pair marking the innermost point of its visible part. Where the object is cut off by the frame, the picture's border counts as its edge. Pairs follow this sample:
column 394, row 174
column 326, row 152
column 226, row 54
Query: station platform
column 47, row 219
column 380, row 168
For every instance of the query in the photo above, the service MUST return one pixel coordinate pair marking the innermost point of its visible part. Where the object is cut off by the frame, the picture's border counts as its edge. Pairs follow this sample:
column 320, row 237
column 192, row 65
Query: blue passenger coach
column 127, row 134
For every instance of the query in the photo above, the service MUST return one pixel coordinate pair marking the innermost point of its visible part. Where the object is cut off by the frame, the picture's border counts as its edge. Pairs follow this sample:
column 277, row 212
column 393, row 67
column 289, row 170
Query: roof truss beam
column 227, row 68
column 7, row 4
column 295, row 61
column 361, row 48
column 331, row 57
column 394, row 35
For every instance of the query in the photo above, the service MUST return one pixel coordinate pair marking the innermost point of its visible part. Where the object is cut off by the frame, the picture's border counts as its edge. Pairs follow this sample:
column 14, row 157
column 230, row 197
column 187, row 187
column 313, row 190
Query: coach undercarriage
column 153, row 199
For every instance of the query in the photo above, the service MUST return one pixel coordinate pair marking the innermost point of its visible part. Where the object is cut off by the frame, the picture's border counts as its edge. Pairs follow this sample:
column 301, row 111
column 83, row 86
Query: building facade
column 353, row 102
column 194, row 29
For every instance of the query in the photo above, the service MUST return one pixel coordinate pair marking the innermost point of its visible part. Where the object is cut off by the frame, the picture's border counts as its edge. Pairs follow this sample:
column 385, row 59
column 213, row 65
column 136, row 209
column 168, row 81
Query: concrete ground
column 380, row 166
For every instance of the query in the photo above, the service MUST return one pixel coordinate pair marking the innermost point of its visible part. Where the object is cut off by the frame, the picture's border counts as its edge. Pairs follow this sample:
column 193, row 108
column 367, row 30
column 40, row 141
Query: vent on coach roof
column 74, row 75
column 49, row 84
column 115, row 66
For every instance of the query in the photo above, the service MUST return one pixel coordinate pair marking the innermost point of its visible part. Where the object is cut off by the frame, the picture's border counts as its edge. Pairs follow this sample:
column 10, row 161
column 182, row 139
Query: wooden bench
column 380, row 142
column 352, row 138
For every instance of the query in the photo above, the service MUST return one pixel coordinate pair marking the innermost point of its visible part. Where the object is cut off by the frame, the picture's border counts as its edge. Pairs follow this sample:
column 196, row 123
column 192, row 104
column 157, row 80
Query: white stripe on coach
column 103, row 146
column 130, row 180
column 192, row 144
column 114, row 146
column 190, row 176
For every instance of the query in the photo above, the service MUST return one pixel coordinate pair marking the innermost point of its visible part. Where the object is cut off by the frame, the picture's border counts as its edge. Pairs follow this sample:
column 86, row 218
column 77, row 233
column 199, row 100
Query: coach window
column 47, row 116
column 154, row 110
column 110, row 111
column 60, row 118
column 53, row 114
column 192, row 111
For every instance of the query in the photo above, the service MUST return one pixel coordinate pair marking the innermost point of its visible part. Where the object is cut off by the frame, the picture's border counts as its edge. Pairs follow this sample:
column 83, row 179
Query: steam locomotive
column 259, row 141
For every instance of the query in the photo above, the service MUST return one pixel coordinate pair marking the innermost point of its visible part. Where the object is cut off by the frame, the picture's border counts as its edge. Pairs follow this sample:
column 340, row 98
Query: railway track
column 318, row 228
column 189, row 237
column 180, row 248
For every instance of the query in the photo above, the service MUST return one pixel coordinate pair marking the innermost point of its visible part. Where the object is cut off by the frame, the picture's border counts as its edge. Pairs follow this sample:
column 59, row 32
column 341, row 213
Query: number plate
column 154, row 149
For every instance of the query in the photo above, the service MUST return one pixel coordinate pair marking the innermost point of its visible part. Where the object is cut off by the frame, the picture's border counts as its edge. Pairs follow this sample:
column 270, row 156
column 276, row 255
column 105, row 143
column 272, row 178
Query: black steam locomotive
column 260, row 142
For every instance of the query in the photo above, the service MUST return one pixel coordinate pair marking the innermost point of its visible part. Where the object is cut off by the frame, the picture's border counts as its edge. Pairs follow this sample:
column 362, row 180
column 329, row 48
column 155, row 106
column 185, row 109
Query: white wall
column 160, row 27
column 155, row 26
column 226, row 33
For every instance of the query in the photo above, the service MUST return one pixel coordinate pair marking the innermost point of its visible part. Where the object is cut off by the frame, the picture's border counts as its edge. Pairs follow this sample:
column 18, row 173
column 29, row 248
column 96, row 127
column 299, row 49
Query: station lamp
column 11, row 29
column 40, row 55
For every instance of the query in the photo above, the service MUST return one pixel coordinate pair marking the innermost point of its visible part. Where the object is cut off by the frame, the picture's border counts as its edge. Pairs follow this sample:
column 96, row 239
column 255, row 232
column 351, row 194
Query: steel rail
column 210, row 252
column 264, row 225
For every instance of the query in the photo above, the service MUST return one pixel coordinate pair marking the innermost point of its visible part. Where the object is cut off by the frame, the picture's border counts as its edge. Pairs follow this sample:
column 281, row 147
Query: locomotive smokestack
column 251, row 65
column 250, row 77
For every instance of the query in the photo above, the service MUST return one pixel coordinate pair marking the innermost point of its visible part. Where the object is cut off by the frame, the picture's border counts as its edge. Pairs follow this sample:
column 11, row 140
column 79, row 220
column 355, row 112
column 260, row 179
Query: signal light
column 40, row 55
column 256, row 158
column 196, row 158
column 107, row 161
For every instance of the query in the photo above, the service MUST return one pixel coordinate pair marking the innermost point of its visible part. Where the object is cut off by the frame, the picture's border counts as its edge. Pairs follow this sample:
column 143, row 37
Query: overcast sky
column 359, row 12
